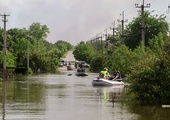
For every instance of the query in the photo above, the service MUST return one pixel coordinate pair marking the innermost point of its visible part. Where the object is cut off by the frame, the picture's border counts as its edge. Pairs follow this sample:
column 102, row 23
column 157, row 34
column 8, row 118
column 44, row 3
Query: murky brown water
column 63, row 97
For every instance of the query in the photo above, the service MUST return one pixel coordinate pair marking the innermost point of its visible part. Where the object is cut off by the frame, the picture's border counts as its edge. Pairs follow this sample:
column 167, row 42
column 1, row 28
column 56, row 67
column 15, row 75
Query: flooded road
column 63, row 97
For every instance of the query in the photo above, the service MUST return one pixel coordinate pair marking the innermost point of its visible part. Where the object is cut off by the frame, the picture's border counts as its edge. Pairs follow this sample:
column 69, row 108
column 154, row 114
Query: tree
column 122, row 59
column 152, row 73
column 96, row 64
column 63, row 45
column 1, row 38
column 153, row 26
column 38, row 32
column 17, row 44
column 10, row 59
column 84, row 52
column 42, row 54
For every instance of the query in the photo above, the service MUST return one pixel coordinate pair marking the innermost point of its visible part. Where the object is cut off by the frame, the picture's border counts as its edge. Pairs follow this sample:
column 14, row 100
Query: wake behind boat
column 105, row 82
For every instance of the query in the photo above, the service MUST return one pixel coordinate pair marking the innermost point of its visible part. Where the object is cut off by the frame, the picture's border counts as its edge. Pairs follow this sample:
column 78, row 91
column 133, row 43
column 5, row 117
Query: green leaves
column 42, row 54
column 150, row 76
column 83, row 52
column 153, row 26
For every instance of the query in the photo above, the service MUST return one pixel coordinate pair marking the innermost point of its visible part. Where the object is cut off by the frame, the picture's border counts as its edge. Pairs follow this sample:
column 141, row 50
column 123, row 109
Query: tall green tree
column 17, row 44
column 122, row 59
column 60, row 43
column 154, row 24
column 152, row 73
column 84, row 52
column 39, row 33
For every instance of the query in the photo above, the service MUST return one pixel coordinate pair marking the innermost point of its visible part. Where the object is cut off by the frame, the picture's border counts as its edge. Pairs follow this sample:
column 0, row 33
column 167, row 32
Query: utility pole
column 97, row 43
column 106, row 34
column 168, row 12
column 113, row 29
column 101, row 43
column 106, row 44
column 28, row 51
column 142, row 18
column 122, row 21
column 4, row 46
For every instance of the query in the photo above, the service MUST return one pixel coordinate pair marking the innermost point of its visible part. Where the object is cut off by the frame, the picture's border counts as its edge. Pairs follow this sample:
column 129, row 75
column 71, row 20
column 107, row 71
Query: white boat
column 105, row 82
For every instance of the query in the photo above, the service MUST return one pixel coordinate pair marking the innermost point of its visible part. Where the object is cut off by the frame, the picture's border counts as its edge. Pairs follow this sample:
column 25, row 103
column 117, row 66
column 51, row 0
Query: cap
column 105, row 69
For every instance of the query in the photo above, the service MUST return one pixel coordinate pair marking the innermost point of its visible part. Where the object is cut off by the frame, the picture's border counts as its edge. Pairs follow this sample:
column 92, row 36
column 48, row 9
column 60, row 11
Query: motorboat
column 105, row 82
column 81, row 74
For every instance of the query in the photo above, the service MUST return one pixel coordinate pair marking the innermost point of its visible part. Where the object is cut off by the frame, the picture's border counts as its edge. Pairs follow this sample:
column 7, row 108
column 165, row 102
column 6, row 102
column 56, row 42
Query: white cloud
column 73, row 20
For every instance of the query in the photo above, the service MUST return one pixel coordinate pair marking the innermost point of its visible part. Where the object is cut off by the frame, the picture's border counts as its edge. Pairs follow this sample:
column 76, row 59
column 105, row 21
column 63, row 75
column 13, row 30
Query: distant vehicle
column 81, row 64
column 62, row 63
column 85, row 65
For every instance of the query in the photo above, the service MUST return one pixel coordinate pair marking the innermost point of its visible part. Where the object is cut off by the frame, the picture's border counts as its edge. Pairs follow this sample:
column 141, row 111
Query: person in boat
column 116, row 75
column 81, row 69
column 104, row 74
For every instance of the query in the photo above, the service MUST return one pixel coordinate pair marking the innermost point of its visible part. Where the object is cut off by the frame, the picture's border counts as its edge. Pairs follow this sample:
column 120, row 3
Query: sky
column 76, row 20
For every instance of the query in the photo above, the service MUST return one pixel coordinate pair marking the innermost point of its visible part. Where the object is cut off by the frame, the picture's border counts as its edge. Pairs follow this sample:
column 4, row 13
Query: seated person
column 104, row 74
column 116, row 75
column 78, row 69
column 81, row 69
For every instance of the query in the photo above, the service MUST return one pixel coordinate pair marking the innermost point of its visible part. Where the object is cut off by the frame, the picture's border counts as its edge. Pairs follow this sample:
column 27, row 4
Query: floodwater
column 63, row 97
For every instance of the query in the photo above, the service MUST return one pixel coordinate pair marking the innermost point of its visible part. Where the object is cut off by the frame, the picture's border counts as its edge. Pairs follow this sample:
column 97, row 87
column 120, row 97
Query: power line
column 128, row 10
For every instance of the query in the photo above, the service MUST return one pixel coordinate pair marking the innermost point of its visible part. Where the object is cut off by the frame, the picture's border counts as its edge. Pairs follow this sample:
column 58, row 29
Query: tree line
column 32, row 41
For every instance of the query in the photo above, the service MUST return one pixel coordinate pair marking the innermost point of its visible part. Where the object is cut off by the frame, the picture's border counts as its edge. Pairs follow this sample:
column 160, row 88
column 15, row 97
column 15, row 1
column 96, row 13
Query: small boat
column 81, row 74
column 105, row 82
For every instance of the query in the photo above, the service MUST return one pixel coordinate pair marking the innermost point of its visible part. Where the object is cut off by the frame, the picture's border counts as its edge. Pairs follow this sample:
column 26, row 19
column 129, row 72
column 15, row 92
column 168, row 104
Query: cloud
column 71, row 20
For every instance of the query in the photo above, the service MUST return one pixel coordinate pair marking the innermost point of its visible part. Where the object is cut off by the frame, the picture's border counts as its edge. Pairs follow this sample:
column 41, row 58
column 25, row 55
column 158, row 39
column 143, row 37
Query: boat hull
column 104, row 82
column 81, row 74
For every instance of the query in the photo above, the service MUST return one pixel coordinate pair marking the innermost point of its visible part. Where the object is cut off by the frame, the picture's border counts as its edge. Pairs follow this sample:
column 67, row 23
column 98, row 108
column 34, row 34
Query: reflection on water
column 3, row 98
column 63, row 97
column 109, row 94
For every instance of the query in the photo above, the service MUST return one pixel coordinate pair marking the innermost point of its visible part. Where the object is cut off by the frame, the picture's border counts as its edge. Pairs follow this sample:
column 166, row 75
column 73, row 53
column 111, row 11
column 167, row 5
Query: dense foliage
column 96, row 64
column 32, row 42
column 154, row 24
column 122, row 58
column 150, row 76
column 84, row 52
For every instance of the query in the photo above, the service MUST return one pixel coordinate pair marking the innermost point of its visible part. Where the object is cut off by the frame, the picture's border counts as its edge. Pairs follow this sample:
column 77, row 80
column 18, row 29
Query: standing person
column 38, row 70
column 116, row 75
column 104, row 74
